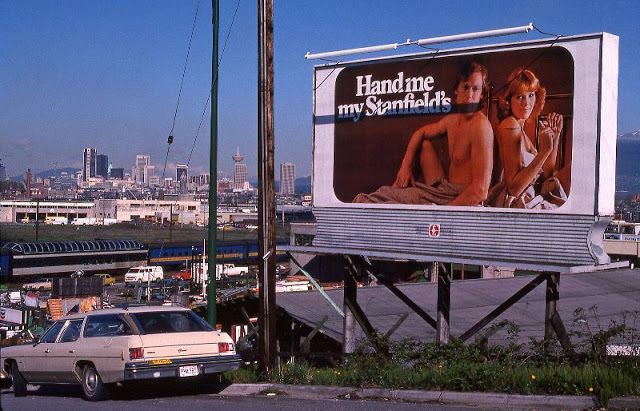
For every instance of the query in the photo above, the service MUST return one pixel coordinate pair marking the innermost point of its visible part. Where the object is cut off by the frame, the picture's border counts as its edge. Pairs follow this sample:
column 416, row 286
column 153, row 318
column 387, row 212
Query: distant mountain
column 48, row 173
column 57, row 172
column 303, row 185
column 628, row 163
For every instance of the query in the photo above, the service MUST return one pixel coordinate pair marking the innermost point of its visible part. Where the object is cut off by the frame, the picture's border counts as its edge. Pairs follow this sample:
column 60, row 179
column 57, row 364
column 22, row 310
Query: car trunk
column 183, row 345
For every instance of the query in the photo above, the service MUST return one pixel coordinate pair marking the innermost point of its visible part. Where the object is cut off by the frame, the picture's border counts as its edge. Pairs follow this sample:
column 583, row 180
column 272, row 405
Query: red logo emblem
column 434, row 230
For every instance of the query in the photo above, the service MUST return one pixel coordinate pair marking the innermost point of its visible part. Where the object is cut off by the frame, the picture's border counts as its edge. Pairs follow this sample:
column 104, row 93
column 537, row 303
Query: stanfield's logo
column 419, row 97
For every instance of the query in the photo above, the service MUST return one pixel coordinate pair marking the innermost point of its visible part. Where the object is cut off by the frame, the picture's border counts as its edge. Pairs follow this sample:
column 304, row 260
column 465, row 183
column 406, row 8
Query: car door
column 34, row 364
column 62, row 354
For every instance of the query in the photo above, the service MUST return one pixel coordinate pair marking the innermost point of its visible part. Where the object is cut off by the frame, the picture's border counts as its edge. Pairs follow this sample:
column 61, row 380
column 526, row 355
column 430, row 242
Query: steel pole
column 213, row 171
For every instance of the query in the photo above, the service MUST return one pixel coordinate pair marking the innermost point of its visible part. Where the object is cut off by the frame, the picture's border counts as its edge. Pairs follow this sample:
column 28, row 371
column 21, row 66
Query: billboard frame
column 573, row 235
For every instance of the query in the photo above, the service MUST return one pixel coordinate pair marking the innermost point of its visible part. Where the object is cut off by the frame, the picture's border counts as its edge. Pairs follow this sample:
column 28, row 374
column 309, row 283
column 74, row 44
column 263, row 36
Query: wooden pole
column 266, row 189
column 444, row 308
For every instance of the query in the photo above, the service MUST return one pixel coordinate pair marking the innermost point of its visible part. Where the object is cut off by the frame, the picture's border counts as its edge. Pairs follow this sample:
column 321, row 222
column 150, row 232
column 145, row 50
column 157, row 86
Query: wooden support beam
column 305, row 342
column 551, row 307
column 503, row 307
column 553, row 322
column 443, row 326
column 395, row 326
column 352, row 310
column 415, row 307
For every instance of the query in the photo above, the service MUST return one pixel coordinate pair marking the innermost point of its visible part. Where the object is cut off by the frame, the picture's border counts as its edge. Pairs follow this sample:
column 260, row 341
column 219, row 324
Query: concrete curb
column 494, row 400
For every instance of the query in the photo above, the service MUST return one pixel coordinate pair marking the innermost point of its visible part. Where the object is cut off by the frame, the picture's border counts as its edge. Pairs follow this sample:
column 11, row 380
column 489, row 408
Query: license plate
column 189, row 371
column 160, row 362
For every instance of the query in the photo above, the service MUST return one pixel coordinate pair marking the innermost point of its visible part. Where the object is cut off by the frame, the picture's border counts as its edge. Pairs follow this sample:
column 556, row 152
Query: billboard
column 514, row 137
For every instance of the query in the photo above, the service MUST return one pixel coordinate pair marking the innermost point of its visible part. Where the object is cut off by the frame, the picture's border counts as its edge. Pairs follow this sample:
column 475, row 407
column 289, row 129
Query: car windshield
column 170, row 322
column 52, row 333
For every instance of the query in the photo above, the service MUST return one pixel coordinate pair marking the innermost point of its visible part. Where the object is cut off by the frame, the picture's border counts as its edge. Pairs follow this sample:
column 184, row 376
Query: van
column 144, row 274
column 56, row 220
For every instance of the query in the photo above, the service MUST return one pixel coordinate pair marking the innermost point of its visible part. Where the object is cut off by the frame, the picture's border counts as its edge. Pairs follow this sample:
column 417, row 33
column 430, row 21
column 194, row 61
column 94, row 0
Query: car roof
column 131, row 309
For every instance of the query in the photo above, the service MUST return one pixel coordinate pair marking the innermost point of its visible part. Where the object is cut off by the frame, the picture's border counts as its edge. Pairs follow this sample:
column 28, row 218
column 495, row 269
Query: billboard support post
column 349, row 322
column 352, row 310
column 553, row 322
column 443, row 316
column 551, row 306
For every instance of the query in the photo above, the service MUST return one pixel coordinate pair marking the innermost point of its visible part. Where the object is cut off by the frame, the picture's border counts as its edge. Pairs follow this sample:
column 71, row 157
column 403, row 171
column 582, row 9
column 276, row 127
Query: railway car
column 230, row 251
column 63, row 257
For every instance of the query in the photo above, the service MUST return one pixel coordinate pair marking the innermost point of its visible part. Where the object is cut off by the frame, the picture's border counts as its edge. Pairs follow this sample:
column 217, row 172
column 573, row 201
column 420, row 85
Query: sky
column 107, row 74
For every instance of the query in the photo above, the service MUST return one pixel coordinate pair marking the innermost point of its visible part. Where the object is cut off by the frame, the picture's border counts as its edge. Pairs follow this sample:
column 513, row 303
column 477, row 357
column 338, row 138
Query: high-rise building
column 148, row 173
column 240, row 173
column 182, row 174
column 182, row 177
column 102, row 165
column 89, row 163
column 287, row 178
column 138, row 169
column 117, row 173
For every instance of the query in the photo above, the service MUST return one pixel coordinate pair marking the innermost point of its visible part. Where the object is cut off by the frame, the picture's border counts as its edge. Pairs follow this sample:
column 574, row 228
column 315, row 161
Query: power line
column 206, row 104
column 184, row 71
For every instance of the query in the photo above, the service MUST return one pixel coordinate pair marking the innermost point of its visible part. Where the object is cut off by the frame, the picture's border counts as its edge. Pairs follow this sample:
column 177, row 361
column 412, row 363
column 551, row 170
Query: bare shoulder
column 509, row 123
column 481, row 123
column 509, row 130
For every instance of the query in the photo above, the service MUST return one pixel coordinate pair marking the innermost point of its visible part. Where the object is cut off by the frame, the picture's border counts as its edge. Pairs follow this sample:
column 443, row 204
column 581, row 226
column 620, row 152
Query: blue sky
column 106, row 73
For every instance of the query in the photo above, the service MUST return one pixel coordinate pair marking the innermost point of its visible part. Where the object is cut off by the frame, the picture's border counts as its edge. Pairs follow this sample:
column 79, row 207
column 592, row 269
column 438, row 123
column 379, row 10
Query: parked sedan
column 103, row 347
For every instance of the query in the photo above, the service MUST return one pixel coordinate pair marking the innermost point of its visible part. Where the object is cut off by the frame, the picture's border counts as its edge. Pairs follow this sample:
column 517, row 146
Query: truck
column 143, row 274
column 231, row 270
column 56, row 220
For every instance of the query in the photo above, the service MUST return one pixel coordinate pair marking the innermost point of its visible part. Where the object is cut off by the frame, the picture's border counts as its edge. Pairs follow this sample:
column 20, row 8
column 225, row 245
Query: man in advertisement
column 470, row 147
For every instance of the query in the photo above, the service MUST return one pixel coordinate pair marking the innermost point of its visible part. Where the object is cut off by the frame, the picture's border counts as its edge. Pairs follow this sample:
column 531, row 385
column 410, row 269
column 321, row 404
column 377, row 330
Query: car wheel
column 18, row 381
column 92, row 385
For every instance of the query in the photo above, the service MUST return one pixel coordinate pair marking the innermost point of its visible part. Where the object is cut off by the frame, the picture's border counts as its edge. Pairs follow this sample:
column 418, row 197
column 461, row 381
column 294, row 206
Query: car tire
column 18, row 381
column 92, row 386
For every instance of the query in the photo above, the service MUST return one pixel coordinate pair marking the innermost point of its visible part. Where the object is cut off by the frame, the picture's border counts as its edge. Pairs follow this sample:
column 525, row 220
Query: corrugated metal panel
column 564, row 240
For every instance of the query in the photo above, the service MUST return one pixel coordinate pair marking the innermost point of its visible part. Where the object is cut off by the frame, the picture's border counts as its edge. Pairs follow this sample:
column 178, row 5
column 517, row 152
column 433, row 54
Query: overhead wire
column 215, row 80
column 184, row 71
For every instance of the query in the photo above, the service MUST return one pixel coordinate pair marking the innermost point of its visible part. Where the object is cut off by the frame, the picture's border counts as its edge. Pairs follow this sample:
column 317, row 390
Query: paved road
column 170, row 397
column 277, row 397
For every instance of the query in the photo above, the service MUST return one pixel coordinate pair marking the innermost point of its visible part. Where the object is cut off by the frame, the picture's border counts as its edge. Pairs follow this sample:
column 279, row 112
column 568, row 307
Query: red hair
column 520, row 81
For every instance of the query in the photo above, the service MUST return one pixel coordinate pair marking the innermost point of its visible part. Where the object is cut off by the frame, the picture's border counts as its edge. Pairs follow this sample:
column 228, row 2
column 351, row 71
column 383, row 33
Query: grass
column 535, row 368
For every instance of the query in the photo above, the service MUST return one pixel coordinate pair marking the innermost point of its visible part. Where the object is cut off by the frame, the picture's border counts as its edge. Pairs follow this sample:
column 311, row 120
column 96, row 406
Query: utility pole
column 266, row 189
column 213, row 171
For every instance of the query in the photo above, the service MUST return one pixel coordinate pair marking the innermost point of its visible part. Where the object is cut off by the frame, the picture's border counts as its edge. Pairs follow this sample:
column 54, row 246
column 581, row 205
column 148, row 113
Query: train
column 50, row 259
column 240, row 251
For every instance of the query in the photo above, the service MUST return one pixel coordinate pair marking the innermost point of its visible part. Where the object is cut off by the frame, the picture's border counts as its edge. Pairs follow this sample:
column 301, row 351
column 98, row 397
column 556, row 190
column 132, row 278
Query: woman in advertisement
column 529, row 177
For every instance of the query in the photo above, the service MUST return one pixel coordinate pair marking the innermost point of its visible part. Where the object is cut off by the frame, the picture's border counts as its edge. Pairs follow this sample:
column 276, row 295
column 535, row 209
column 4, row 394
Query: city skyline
column 143, row 167
column 94, row 73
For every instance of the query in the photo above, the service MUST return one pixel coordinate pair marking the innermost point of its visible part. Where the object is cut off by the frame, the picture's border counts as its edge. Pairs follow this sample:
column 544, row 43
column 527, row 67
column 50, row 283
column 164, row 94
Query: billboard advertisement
column 519, row 129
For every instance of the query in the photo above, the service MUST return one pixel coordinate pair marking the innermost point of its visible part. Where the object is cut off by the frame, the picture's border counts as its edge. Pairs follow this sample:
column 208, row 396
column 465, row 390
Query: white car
column 103, row 347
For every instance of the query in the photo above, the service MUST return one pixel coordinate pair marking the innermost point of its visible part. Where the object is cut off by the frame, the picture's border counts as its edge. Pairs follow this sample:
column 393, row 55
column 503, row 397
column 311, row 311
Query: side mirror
column 36, row 341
